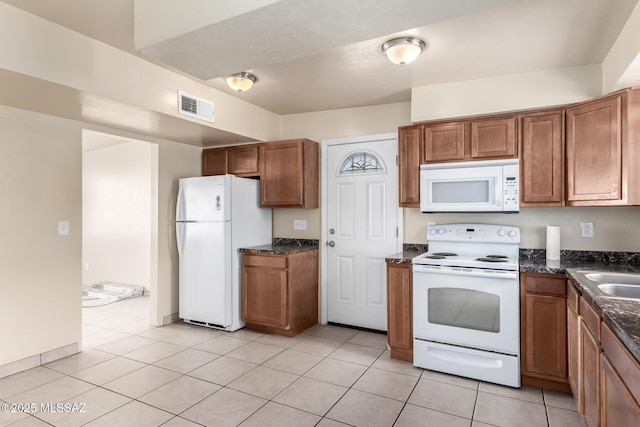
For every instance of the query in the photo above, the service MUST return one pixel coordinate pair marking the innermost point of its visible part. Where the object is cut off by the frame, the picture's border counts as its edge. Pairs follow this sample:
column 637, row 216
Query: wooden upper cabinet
column 603, row 151
column 444, row 142
column 542, row 159
column 594, row 151
column 240, row 160
column 493, row 138
column 409, row 146
column 289, row 174
column 214, row 161
column 243, row 160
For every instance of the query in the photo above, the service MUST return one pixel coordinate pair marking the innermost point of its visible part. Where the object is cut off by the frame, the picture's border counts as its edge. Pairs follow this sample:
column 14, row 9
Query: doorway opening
column 119, row 243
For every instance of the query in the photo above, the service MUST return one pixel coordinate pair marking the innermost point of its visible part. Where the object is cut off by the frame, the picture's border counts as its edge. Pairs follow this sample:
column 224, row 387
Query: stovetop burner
column 496, row 256
column 492, row 259
column 443, row 254
column 435, row 257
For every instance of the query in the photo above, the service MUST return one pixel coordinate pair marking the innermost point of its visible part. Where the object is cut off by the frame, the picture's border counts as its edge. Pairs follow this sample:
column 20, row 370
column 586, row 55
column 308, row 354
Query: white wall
column 506, row 93
column 116, row 211
column 40, row 184
column 614, row 227
column 41, row 272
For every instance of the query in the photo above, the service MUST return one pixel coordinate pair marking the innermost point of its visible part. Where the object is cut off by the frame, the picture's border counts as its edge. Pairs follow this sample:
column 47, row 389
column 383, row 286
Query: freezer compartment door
column 204, row 199
column 204, row 274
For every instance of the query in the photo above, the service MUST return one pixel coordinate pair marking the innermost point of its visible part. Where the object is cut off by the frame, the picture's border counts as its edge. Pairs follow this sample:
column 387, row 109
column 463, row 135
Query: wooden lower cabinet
column 590, row 350
column 619, row 408
column 573, row 334
column 604, row 375
column 544, row 331
column 280, row 292
column 400, row 311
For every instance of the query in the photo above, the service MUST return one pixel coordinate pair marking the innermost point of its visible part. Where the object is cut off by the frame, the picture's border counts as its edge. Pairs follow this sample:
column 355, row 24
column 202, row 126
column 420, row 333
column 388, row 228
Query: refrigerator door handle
column 180, row 205
column 218, row 204
column 180, row 237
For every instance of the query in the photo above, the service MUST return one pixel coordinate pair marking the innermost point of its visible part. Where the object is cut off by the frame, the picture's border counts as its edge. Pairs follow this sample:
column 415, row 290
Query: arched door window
column 361, row 163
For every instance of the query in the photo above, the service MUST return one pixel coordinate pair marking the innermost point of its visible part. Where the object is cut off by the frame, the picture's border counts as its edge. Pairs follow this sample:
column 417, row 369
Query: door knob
column 331, row 243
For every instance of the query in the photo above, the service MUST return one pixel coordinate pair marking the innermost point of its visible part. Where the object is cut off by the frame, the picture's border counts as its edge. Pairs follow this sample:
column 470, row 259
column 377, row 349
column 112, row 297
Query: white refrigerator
column 215, row 216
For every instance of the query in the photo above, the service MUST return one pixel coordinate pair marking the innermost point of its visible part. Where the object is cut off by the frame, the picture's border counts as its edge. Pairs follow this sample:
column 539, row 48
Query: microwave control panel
column 511, row 188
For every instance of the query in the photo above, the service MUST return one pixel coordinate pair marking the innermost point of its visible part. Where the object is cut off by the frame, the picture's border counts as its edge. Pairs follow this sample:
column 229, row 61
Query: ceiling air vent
column 193, row 106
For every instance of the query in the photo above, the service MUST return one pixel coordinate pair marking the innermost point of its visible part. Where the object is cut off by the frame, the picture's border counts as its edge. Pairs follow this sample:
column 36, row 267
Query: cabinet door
column 409, row 142
column 573, row 351
column 289, row 174
column 443, row 143
column 619, row 408
column 594, row 152
column 493, row 138
column 214, row 161
column 265, row 296
column 243, row 160
column 400, row 311
column 542, row 159
column 590, row 350
column 545, row 340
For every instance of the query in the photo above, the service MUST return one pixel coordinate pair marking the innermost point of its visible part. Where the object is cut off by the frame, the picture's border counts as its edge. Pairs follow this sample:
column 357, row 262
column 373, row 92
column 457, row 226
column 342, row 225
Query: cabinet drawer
column 624, row 362
column 590, row 317
column 273, row 261
column 545, row 284
column 573, row 297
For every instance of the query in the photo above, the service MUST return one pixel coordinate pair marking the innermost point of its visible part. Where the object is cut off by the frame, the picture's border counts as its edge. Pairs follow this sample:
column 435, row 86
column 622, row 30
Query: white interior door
column 362, row 230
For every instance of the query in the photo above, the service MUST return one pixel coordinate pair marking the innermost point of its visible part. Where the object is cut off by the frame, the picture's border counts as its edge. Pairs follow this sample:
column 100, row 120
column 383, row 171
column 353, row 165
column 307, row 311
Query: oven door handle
column 464, row 271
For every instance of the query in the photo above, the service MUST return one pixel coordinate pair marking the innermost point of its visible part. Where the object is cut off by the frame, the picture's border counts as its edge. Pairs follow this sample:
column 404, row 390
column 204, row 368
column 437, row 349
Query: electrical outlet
column 299, row 224
column 587, row 229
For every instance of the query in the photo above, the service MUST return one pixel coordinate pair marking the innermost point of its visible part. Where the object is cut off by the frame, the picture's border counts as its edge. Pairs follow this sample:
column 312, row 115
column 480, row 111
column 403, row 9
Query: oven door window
column 464, row 308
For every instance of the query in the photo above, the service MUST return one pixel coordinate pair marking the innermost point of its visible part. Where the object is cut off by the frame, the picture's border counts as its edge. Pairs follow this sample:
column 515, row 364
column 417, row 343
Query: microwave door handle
column 498, row 186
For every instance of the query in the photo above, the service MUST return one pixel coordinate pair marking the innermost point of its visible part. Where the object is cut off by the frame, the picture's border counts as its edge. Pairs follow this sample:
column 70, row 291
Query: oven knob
column 433, row 231
column 512, row 233
column 441, row 231
column 501, row 233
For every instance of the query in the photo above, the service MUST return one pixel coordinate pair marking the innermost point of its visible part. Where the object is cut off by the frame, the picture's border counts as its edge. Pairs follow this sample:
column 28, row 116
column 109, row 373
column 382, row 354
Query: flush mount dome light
column 403, row 50
column 241, row 81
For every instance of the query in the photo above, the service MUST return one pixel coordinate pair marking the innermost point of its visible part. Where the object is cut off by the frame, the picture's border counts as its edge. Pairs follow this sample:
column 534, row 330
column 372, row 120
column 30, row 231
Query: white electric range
column 466, row 302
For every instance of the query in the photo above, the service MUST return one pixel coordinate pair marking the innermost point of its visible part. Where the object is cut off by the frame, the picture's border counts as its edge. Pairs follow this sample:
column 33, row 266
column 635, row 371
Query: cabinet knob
column 331, row 243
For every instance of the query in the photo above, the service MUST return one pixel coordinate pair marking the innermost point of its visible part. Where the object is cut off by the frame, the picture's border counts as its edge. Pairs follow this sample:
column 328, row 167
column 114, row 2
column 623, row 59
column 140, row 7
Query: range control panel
column 474, row 232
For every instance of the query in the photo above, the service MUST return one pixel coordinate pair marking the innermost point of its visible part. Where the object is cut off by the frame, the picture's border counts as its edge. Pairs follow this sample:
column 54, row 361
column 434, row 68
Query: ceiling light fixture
column 241, row 81
column 403, row 50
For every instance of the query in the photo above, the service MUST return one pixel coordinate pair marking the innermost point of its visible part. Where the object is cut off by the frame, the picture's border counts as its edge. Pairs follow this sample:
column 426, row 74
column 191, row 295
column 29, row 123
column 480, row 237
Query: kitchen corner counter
column 621, row 315
column 410, row 251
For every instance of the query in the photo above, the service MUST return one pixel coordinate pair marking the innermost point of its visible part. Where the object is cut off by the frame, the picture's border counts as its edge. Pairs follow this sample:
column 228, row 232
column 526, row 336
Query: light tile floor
column 130, row 374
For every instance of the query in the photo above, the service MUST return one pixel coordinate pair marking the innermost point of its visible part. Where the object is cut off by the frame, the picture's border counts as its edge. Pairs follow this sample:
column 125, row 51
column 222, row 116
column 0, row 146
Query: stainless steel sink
column 620, row 291
column 613, row 285
column 624, row 279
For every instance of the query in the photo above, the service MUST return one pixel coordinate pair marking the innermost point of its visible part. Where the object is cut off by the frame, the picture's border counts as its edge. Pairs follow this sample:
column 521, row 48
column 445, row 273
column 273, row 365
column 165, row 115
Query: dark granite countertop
column 282, row 246
column 277, row 249
column 409, row 251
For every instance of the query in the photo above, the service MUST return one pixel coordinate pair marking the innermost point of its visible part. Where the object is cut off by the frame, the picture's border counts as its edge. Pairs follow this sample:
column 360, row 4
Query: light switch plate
column 63, row 228
column 299, row 224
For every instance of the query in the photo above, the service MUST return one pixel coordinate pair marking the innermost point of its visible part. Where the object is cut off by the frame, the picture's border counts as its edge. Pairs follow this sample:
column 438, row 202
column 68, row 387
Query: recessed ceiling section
column 285, row 30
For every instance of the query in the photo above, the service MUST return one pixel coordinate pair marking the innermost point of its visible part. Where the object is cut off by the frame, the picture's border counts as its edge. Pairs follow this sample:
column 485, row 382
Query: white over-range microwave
column 481, row 186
